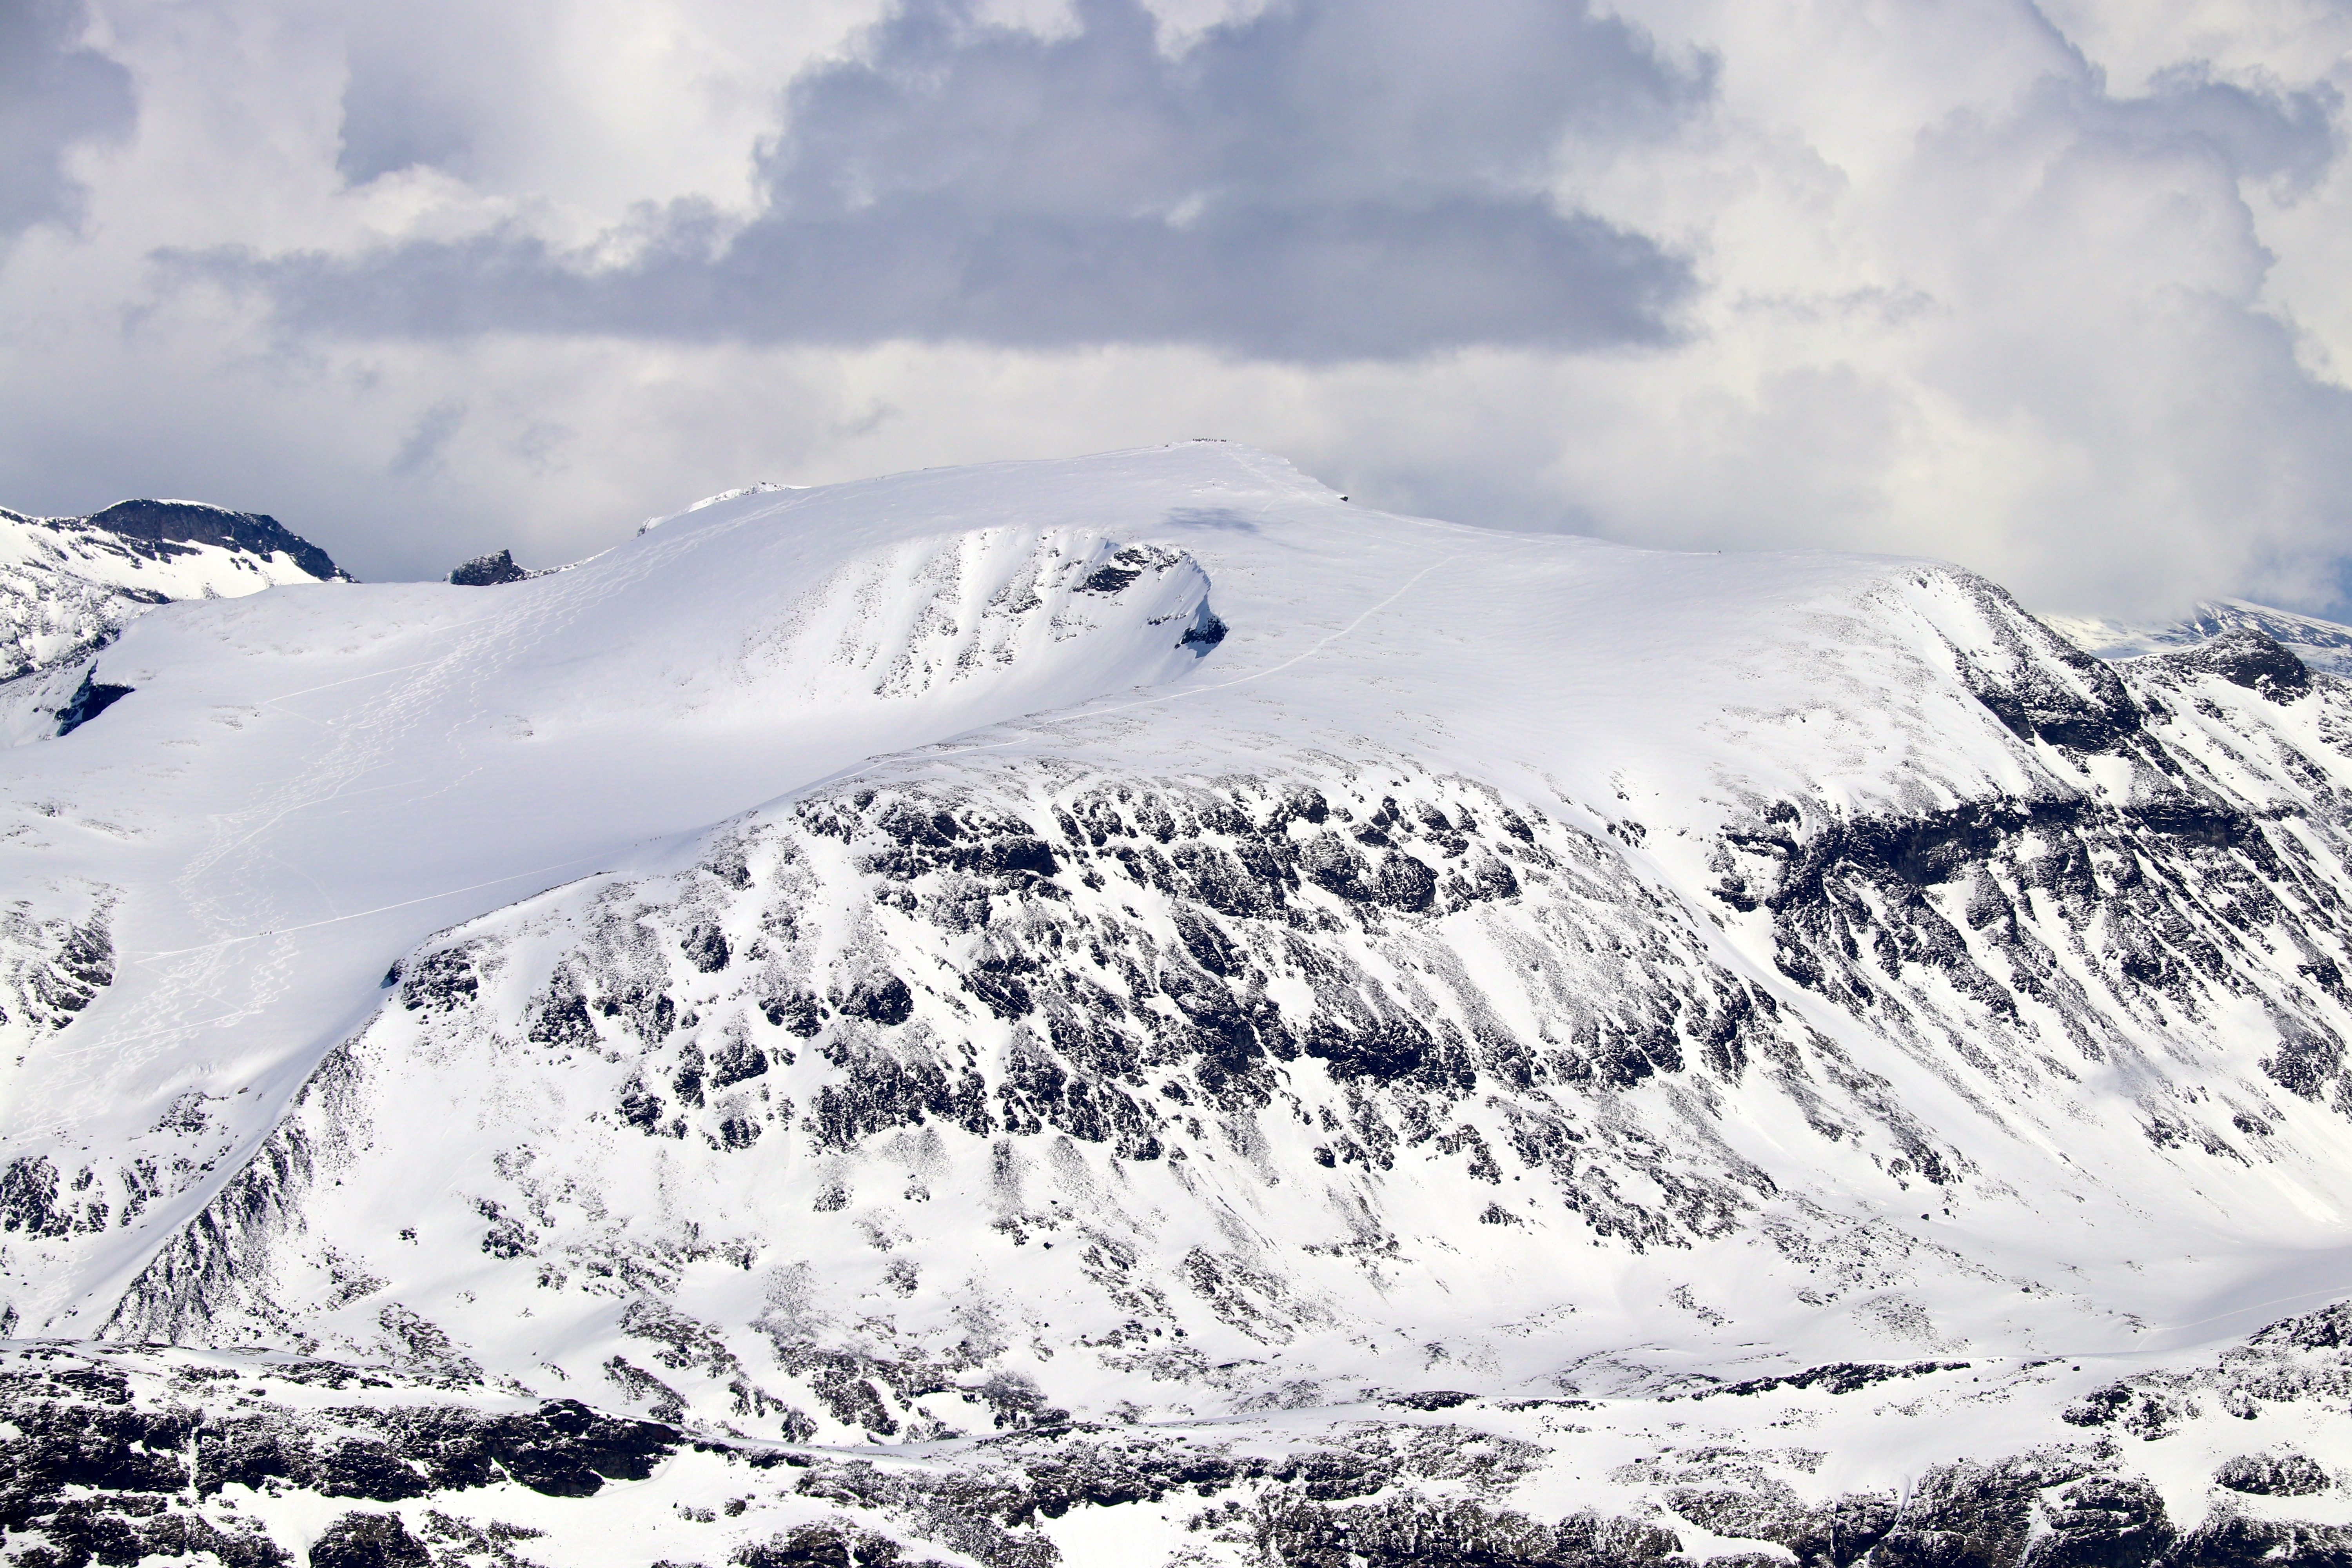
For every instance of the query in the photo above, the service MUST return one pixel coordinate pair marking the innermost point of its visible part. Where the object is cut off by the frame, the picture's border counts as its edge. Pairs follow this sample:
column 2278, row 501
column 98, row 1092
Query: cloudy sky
column 2062, row 292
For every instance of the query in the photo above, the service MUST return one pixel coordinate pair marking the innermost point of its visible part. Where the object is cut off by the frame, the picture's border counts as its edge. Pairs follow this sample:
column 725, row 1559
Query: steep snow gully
column 1128, row 1011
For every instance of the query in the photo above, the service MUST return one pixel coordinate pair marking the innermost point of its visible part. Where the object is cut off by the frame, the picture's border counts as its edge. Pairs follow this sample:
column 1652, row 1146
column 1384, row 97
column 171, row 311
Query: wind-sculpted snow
column 893, row 641
column 1474, row 1049
column 934, row 612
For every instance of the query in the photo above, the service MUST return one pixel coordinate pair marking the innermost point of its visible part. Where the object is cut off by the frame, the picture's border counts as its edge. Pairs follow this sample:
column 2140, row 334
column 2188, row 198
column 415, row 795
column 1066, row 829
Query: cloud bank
column 53, row 95
column 1327, row 180
column 2054, row 292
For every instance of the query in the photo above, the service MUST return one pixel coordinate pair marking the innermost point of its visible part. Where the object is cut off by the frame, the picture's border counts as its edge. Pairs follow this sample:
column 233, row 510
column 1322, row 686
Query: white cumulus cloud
column 2054, row 292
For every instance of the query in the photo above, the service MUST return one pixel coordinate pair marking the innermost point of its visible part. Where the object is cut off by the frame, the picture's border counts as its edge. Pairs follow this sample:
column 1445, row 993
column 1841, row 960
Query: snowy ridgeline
column 1127, row 1011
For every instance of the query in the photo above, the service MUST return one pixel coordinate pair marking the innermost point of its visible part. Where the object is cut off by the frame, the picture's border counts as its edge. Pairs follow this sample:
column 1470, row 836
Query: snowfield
column 1131, row 1010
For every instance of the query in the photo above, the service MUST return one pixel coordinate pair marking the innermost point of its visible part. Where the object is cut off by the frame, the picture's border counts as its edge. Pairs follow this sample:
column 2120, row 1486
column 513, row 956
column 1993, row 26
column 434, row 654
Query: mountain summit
column 1126, row 1010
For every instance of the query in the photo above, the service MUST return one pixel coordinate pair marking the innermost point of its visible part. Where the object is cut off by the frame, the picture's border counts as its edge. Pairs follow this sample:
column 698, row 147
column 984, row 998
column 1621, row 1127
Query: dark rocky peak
column 161, row 524
column 2243, row 657
column 490, row 570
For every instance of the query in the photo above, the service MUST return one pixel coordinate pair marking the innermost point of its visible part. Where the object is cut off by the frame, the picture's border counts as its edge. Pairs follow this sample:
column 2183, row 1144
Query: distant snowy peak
column 2324, row 646
column 69, row 584
column 164, row 533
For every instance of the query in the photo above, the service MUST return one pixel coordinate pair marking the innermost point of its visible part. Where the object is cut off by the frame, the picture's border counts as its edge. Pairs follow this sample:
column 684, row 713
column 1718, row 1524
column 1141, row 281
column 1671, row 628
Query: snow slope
column 1138, row 940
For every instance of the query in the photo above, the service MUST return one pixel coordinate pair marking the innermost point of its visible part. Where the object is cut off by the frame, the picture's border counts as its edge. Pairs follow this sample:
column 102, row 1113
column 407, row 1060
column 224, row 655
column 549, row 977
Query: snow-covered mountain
column 69, row 584
column 2320, row 645
column 1130, row 1011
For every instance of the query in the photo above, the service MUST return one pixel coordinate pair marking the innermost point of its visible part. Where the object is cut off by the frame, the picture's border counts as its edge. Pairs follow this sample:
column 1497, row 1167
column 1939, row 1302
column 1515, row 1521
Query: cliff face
column 1131, row 983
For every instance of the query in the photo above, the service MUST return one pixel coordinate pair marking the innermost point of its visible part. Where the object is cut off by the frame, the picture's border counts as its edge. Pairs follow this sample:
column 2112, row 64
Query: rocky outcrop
column 491, row 571
column 165, row 527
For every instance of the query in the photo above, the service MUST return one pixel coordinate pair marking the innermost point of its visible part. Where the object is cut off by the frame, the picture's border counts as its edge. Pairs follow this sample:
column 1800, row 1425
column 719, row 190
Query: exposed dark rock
column 639, row 1109
column 490, row 570
column 91, row 698
column 2040, row 686
column 706, row 948
column 734, row 1061
column 364, row 1467
column 802, row 1014
column 2136, row 1408
column 883, row 998
column 879, row 1091
column 1415, row 1532
column 1109, row 579
column 561, row 1019
column 830, row 1545
column 369, row 1541
column 441, row 981
column 1205, row 632
column 159, row 524
column 2306, row 1061
column 28, row 1198
column 2330, row 1328
column 563, row 1450
column 1433, row 1399
column 2245, row 656
column 2273, row 1475
column 686, row 1083
column 1116, row 574
column 120, row 1531
column 1838, row 1377
column 1965, row 1515
column 2230, row 1540
column 2102, row 1521
column 94, row 1469
column 1837, row 1533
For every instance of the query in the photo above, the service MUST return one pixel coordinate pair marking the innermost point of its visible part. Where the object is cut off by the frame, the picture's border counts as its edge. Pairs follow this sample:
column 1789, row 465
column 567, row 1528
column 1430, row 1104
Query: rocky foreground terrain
column 125, row 1455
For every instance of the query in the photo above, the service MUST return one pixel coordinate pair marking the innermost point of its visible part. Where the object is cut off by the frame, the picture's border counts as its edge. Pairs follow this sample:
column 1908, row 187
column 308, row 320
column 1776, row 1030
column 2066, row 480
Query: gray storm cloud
column 54, row 94
column 1320, row 182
